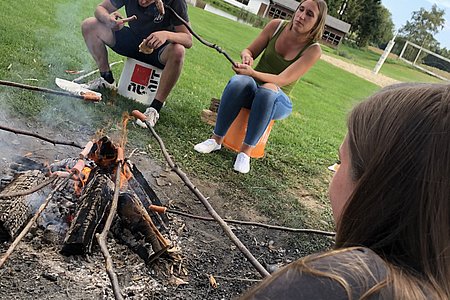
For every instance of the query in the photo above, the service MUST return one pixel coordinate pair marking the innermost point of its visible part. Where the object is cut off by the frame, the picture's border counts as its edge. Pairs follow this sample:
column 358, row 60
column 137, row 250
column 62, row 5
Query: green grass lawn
column 42, row 41
column 393, row 68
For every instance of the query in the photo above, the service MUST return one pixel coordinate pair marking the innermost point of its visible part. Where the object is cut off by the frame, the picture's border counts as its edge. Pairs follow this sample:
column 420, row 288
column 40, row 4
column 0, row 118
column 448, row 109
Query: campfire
column 83, row 201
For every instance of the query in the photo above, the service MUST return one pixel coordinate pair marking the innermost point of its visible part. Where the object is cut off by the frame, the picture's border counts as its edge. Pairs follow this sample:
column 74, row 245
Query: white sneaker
column 242, row 163
column 99, row 83
column 152, row 117
column 207, row 146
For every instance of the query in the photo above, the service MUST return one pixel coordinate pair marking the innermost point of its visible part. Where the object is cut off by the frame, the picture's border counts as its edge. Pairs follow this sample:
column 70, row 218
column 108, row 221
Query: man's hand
column 243, row 69
column 156, row 39
column 114, row 21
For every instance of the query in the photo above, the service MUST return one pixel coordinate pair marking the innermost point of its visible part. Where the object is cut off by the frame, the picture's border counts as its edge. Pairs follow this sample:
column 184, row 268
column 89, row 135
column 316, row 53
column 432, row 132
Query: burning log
column 15, row 210
column 97, row 195
column 91, row 211
column 145, row 193
column 135, row 228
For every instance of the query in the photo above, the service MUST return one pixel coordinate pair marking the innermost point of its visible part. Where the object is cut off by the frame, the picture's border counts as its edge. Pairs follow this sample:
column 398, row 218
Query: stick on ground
column 203, row 199
column 161, row 209
column 101, row 238
column 54, row 142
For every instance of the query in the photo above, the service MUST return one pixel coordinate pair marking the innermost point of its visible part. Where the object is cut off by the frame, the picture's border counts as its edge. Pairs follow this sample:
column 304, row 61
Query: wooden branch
column 204, row 42
column 237, row 278
column 86, row 96
column 78, row 79
column 31, row 222
column 54, row 142
column 276, row 227
column 101, row 238
column 203, row 199
column 29, row 191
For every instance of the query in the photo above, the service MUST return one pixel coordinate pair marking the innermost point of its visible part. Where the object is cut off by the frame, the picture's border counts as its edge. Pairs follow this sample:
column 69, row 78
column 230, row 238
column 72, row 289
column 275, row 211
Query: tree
column 369, row 22
column 334, row 7
column 423, row 26
column 386, row 29
column 351, row 11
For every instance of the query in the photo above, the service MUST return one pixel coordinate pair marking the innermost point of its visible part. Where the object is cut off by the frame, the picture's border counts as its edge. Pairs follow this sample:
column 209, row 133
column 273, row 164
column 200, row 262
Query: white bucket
column 139, row 81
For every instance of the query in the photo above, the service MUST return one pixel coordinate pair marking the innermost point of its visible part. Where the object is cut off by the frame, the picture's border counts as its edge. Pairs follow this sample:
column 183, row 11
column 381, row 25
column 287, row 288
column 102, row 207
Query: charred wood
column 15, row 211
column 144, row 192
column 138, row 232
column 28, row 226
column 91, row 211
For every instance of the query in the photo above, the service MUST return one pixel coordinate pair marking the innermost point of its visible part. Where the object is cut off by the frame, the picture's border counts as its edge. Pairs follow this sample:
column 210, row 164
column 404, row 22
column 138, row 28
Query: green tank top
column 273, row 63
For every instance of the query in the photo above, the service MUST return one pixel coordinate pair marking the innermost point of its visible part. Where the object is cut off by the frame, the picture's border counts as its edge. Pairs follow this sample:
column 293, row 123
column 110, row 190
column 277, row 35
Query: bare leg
column 97, row 36
column 246, row 149
column 173, row 58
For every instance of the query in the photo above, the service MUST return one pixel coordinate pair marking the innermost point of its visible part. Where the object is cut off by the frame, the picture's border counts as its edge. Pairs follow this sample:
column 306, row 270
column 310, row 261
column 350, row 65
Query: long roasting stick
column 101, row 237
column 78, row 79
column 162, row 209
column 204, row 42
column 86, row 96
column 203, row 199
column 31, row 222
column 54, row 142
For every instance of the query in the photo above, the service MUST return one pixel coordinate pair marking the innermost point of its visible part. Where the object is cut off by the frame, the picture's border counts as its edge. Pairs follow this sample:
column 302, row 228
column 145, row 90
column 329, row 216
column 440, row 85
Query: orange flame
column 82, row 179
column 125, row 175
column 123, row 139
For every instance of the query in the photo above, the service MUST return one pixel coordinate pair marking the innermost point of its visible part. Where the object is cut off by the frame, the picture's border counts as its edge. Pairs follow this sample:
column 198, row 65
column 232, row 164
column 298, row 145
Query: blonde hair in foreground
column 399, row 141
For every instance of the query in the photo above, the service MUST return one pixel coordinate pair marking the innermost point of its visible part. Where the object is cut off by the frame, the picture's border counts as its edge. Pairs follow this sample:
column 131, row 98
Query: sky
column 402, row 10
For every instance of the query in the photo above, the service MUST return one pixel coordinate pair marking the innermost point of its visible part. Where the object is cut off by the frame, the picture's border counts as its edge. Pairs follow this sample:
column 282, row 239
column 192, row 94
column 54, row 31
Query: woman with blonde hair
column 289, row 50
column 391, row 204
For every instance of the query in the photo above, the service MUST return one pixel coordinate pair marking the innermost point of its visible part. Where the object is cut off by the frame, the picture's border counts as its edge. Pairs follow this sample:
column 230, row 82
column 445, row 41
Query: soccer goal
column 413, row 55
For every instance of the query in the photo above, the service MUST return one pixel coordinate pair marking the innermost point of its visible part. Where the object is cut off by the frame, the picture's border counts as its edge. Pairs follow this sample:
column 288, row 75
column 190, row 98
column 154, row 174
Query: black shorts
column 127, row 44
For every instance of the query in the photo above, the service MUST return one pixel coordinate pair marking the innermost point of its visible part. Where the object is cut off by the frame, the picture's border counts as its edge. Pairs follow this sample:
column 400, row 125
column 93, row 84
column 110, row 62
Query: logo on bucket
column 143, row 78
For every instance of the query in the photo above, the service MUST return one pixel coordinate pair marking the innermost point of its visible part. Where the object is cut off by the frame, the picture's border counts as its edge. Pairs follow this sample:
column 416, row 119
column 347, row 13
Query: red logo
column 141, row 75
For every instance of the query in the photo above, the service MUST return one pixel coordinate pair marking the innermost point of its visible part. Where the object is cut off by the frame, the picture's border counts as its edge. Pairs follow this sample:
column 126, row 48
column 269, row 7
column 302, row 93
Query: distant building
column 335, row 29
column 257, row 7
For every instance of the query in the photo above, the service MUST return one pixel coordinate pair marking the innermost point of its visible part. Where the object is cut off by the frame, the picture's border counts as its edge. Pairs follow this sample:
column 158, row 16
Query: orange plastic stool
column 236, row 134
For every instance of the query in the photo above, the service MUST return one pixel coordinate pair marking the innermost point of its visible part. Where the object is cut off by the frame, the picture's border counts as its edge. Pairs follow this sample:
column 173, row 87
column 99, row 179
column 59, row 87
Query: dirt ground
column 37, row 270
column 378, row 79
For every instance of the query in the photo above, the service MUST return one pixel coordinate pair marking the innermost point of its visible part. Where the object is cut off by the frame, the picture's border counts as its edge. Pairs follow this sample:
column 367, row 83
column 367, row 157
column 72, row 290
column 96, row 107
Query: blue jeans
column 264, row 104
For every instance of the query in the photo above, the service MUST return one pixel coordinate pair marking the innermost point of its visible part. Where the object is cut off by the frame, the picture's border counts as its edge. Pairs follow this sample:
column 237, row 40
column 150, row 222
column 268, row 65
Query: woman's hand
column 243, row 69
column 247, row 59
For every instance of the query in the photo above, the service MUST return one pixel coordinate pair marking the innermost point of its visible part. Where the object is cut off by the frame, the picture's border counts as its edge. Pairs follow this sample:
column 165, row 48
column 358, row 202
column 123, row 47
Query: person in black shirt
column 165, row 34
